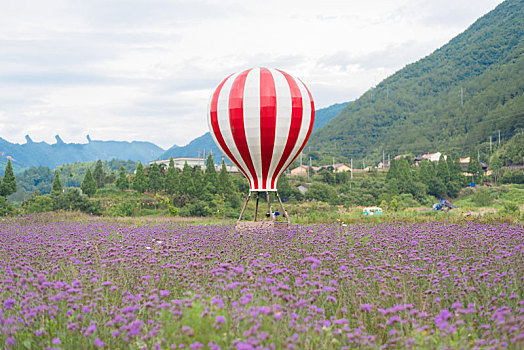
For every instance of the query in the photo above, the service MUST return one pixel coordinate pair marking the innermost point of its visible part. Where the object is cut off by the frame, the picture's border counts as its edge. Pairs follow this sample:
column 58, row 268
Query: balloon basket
column 262, row 224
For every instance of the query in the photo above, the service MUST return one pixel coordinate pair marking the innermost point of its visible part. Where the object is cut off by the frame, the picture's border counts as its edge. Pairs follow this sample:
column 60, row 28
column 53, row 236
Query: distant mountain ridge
column 452, row 100
column 205, row 144
column 32, row 153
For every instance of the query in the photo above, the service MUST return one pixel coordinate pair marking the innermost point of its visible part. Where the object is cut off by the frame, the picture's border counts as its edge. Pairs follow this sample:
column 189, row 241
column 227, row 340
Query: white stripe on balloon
column 225, row 126
column 284, row 110
column 304, row 126
column 252, row 121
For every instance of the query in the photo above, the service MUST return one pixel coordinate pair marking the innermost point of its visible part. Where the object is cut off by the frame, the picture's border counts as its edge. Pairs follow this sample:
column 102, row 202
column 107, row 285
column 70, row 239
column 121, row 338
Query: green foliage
column 5, row 208
column 482, row 198
column 127, row 208
column 321, row 192
column 99, row 174
column 474, row 168
column 122, row 183
column 512, row 153
column 172, row 210
column 511, row 208
column 72, row 200
column 219, row 205
column 171, row 182
column 8, row 185
column 394, row 204
column 89, row 184
column 210, row 176
column 495, row 165
column 286, row 191
column 513, row 177
column 186, row 180
column 156, row 182
column 38, row 204
column 195, row 207
column 140, row 182
column 224, row 181
column 56, row 187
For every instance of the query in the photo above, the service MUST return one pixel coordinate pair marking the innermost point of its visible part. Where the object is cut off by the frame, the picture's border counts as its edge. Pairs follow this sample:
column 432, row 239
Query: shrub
column 321, row 192
column 5, row 208
column 511, row 208
column 126, row 209
column 482, row 198
column 39, row 204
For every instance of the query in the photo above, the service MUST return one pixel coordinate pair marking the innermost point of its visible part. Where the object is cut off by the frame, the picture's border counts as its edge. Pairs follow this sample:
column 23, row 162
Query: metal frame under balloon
column 284, row 212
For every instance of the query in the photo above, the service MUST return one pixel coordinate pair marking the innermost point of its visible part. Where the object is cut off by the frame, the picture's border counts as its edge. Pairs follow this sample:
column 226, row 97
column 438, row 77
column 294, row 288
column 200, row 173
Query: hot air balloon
column 261, row 119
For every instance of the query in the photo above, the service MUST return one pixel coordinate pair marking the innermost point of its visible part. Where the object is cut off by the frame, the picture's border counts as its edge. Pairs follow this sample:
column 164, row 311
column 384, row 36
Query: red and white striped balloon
column 261, row 119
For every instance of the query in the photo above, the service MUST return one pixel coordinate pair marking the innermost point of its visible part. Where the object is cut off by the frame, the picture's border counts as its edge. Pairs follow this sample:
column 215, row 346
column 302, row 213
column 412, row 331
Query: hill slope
column 419, row 108
column 206, row 143
column 41, row 153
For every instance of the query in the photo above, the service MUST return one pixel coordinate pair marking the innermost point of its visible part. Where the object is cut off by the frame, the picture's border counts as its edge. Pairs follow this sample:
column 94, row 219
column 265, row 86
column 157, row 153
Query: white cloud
column 144, row 69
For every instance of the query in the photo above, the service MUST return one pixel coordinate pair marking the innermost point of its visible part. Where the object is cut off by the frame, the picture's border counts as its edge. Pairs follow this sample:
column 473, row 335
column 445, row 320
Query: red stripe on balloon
column 236, row 120
column 268, row 120
column 216, row 129
column 311, row 122
column 296, row 121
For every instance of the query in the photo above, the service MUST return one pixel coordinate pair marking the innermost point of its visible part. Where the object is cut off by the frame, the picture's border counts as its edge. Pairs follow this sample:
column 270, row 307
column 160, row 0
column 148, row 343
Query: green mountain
column 453, row 100
column 31, row 153
column 206, row 144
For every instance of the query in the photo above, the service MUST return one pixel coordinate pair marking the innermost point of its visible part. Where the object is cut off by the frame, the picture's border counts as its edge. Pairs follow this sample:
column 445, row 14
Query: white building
column 433, row 157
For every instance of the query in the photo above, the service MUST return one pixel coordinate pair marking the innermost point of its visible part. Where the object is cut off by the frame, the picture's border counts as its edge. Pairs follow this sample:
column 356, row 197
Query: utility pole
column 351, row 164
column 383, row 160
column 301, row 159
column 389, row 160
column 490, row 147
column 499, row 137
column 310, row 168
column 478, row 155
column 333, row 163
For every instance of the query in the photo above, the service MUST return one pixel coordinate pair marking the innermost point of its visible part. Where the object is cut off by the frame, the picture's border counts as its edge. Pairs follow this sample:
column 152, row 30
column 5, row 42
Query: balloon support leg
column 261, row 224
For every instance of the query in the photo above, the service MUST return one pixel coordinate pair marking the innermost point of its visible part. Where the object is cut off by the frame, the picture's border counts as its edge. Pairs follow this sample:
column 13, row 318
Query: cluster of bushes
column 71, row 200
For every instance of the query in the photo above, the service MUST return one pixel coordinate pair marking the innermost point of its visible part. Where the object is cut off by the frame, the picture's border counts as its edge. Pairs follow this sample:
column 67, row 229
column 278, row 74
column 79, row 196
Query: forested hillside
column 452, row 100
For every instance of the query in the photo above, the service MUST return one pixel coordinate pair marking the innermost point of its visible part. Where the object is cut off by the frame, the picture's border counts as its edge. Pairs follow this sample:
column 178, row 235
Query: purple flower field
column 105, row 284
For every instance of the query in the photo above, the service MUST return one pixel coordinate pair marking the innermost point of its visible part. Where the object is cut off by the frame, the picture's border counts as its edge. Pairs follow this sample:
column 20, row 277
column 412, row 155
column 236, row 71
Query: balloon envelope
column 261, row 119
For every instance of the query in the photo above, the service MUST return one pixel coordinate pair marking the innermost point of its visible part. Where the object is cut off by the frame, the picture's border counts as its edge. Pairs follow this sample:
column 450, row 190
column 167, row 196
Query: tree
column 198, row 187
column 186, row 180
column 155, row 178
column 210, row 175
column 474, row 168
column 442, row 170
column 8, row 185
column 171, row 183
column 401, row 173
column 57, row 184
column 321, row 192
column 99, row 174
column 495, row 166
column 89, row 184
column 122, row 183
column 285, row 190
column 224, row 180
column 140, row 182
column 455, row 171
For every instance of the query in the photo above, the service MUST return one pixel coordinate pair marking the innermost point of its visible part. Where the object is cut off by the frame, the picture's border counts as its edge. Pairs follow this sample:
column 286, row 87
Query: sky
column 145, row 69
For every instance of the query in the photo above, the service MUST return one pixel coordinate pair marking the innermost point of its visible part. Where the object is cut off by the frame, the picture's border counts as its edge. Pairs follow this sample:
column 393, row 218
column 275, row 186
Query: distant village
column 305, row 170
